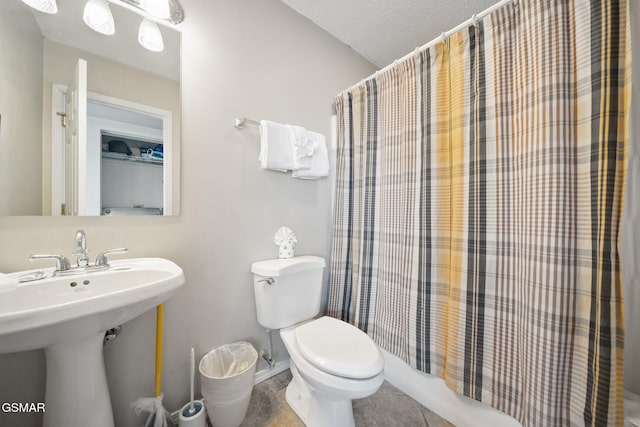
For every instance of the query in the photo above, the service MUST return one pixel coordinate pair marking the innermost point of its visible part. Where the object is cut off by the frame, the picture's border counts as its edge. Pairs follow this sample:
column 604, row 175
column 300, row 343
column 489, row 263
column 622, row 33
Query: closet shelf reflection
column 139, row 159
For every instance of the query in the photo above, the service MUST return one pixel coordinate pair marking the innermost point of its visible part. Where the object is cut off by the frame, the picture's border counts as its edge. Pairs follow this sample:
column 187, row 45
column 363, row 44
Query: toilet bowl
column 332, row 362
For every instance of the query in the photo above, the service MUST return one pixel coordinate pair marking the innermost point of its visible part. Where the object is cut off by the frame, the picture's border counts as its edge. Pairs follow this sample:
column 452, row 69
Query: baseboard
column 266, row 373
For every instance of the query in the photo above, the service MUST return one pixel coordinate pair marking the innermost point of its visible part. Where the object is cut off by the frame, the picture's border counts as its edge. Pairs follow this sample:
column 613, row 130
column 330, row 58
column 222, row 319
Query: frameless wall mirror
column 89, row 123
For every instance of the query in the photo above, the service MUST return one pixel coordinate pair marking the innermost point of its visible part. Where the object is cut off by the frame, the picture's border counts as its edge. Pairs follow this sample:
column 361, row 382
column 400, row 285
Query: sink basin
column 52, row 310
column 68, row 316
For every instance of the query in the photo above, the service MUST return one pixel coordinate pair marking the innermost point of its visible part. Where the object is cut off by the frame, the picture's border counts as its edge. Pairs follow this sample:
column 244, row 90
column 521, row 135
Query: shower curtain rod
column 442, row 38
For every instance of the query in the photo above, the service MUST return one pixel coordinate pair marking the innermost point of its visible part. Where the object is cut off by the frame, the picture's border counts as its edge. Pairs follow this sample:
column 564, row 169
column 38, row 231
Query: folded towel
column 303, row 148
column 319, row 166
column 276, row 146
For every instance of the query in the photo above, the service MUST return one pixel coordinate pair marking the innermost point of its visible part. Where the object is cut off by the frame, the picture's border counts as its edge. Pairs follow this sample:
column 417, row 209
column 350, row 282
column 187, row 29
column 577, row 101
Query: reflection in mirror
column 66, row 94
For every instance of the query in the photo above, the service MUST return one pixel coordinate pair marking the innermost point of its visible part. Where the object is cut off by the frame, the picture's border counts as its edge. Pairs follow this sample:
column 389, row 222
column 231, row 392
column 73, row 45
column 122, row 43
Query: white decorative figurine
column 286, row 241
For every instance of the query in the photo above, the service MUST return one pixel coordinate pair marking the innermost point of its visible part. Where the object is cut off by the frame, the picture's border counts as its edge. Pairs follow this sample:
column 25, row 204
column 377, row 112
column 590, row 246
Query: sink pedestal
column 67, row 316
column 77, row 393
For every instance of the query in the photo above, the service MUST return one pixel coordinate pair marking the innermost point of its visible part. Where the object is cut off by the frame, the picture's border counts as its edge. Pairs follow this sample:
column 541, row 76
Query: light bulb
column 46, row 6
column 149, row 36
column 98, row 17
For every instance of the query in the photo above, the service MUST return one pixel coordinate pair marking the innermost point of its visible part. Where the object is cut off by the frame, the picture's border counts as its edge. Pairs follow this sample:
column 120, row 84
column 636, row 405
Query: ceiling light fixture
column 98, row 17
column 149, row 36
column 46, row 6
column 158, row 8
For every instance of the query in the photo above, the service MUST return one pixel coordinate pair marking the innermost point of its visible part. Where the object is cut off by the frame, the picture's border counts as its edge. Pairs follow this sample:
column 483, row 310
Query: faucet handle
column 101, row 259
column 62, row 263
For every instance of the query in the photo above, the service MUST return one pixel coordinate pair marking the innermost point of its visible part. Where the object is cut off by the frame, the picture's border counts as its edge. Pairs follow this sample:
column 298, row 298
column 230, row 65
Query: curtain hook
column 474, row 19
column 443, row 37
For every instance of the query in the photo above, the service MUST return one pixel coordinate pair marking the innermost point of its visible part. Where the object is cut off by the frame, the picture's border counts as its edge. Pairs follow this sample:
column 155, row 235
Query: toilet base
column 314, row 410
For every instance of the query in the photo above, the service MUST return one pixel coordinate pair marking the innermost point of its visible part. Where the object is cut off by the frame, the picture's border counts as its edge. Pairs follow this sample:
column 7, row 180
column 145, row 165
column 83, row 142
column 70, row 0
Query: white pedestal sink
column 68, row 316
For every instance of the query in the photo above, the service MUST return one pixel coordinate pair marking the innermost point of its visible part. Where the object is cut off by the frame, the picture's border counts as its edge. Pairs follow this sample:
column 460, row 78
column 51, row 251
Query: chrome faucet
column 80, row 249
column 63, row 266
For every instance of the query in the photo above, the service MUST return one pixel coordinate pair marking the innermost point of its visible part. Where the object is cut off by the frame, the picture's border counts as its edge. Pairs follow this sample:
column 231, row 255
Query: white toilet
column 332, row 362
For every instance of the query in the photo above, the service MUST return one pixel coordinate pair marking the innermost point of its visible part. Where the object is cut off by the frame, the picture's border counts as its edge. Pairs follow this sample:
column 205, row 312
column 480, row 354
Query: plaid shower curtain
column 478, row 198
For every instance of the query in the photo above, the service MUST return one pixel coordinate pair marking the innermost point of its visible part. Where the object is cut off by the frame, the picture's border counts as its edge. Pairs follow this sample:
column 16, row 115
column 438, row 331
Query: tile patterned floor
column 389, row 407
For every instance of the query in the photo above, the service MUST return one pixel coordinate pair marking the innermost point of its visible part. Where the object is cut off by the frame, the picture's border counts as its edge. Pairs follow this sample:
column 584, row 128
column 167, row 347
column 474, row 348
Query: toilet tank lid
column 281, row 267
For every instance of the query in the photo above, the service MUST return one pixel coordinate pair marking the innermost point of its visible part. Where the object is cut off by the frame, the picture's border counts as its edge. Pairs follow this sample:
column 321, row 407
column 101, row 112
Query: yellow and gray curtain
column 478, row 200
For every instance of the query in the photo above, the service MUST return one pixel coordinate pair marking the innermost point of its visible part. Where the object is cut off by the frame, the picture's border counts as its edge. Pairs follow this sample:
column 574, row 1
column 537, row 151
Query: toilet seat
column 338, row 348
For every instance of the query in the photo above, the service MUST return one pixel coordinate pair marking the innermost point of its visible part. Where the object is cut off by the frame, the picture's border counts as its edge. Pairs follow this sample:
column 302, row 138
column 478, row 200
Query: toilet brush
column 192, row 408
column 192, row 414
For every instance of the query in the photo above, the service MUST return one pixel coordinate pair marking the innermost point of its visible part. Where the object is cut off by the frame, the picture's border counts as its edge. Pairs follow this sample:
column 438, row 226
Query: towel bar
column 240, row 122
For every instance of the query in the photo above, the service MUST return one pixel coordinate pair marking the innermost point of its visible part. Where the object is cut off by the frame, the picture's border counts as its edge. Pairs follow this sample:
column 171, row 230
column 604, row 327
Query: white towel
column 303, row 148
column 276, row 146
column 319, row 160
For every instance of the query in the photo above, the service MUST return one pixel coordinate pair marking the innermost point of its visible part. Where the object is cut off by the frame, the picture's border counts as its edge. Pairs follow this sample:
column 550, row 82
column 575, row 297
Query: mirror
column 130, row 101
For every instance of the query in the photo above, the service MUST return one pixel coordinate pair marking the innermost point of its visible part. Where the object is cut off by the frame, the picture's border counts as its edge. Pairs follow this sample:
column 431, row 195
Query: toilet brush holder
column 195, row 419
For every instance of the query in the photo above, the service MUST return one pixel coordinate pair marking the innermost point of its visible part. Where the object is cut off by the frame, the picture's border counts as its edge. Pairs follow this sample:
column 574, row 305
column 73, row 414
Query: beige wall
column 254, row 58
column 110, row 78
column 20, row 110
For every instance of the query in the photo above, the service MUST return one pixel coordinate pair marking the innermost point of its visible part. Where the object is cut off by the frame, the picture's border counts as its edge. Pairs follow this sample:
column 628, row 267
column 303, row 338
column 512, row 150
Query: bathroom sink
column 67, row 316
column 56, row 309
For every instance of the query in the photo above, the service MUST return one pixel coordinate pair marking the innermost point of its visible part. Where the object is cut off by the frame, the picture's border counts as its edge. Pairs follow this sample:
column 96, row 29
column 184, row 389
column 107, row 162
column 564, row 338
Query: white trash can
column 227, row 374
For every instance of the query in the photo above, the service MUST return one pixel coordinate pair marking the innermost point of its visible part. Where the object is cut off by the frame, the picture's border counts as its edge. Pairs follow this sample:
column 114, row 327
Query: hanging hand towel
column 303, row 148
column 319, row 160
column 276, row 146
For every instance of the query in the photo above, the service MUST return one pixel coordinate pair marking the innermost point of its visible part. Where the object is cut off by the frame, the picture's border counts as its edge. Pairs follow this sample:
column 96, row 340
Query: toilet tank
column 287, row 291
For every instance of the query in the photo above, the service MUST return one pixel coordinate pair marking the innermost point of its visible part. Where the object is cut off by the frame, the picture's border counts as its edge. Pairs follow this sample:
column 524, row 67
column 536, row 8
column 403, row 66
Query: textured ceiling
column 379, row 30
column 385, row 30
